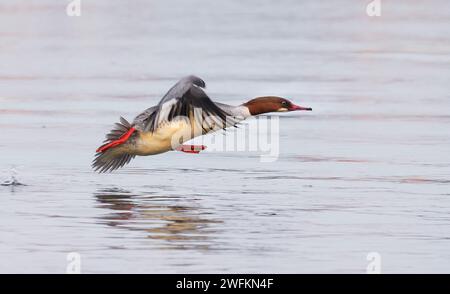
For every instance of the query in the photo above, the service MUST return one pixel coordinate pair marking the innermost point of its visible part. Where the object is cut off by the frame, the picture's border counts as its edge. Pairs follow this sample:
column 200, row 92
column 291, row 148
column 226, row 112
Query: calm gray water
column 367, row 171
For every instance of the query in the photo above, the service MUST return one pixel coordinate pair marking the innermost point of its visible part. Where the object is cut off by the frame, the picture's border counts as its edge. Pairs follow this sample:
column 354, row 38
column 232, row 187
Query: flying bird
column 183, row 113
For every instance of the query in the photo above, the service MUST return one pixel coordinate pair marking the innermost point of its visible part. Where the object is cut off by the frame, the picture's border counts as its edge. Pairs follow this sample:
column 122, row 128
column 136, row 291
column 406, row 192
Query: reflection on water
column 184, row 226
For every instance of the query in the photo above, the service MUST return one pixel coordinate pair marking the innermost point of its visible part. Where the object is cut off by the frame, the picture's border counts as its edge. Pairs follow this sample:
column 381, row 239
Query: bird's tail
column 114, row 153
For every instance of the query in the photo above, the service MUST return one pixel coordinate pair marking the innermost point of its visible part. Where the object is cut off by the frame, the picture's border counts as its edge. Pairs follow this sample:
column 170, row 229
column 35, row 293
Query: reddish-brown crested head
column 267, row 104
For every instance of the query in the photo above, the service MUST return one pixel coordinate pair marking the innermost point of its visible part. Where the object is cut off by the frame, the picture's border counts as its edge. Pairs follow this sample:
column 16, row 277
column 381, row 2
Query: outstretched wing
column 187, row 99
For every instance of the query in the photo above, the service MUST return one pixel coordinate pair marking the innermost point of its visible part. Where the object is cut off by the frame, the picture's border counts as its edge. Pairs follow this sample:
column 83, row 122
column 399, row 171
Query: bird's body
column 184, row 113
column 163, row 138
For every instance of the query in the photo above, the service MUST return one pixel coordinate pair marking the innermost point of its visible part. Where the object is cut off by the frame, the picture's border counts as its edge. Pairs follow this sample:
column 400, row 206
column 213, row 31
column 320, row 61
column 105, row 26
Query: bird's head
column 267, row 104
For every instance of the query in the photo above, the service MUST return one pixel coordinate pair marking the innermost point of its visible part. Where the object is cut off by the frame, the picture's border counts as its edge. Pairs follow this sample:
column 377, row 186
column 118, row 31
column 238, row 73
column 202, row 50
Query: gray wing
column 142, row 119
column 187, row 99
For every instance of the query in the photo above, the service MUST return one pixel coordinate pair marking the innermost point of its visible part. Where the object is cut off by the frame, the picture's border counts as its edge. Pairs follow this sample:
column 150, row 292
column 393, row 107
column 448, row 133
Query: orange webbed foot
column 191, row 148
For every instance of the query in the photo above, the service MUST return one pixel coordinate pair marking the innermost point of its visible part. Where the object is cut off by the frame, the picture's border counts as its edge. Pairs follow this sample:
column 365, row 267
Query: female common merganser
column 183, row 113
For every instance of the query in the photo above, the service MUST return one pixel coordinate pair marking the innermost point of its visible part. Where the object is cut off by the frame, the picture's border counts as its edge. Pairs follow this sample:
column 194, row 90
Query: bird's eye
column 284, row 103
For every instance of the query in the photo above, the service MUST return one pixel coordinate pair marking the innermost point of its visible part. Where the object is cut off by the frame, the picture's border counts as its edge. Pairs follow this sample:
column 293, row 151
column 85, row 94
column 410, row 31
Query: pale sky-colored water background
column 367, row 170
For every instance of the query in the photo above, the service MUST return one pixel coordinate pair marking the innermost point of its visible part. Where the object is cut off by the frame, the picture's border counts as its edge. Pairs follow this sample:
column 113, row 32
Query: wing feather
column 184, row 99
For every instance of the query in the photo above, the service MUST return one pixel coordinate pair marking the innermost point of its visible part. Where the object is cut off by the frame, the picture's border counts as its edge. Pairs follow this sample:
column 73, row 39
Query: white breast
column 167, row 137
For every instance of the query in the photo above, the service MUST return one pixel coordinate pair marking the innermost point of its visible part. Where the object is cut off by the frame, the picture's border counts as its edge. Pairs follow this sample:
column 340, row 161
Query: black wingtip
column 109, row 161
column 112, row 159
column 197, row 81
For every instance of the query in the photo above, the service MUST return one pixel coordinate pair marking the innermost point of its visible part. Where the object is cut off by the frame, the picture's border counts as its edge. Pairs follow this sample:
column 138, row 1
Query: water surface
column 367, row 171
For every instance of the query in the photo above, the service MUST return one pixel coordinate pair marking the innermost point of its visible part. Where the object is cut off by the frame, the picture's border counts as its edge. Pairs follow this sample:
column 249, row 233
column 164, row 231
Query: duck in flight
column 183, row 113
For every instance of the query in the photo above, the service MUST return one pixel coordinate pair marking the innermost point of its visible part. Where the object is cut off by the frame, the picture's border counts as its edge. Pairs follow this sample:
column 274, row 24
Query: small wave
column 12, row 182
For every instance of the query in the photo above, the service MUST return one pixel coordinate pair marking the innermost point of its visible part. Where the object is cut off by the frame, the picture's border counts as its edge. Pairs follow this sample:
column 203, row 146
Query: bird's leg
column 191, row 148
